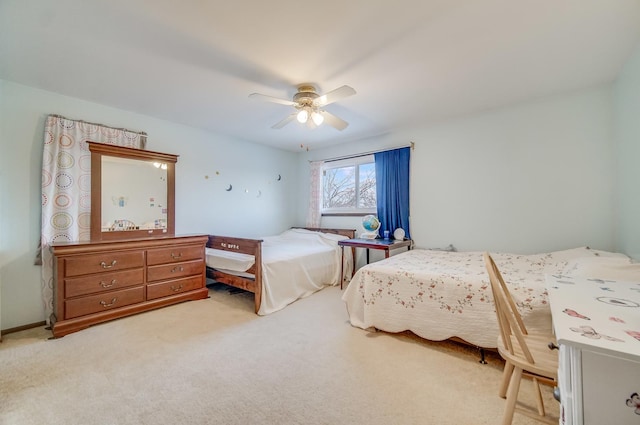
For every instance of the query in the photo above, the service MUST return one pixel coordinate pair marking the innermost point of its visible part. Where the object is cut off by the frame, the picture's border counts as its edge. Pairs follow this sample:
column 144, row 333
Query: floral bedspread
column 438, row 294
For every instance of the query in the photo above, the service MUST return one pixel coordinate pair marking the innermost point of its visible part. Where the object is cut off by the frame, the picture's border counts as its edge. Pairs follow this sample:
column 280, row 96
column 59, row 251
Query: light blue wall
column 627, row 131
column 533, row 177
column 202, row 204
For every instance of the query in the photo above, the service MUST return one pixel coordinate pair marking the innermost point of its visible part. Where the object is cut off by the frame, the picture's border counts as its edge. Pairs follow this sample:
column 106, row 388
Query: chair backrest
column 509, row 319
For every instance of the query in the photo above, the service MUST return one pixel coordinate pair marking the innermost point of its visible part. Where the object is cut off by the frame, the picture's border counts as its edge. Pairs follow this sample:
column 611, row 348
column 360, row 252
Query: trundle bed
column 279, row 269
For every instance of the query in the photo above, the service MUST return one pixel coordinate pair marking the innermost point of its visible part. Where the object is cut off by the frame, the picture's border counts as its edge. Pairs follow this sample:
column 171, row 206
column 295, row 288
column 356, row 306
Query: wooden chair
column 525, row 354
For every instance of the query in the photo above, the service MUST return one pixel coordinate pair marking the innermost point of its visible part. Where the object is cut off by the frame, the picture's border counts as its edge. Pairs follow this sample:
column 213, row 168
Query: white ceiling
column 411, row 61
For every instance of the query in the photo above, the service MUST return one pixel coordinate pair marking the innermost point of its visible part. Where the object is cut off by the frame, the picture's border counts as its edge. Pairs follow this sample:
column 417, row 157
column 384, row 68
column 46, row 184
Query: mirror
column 132, row 193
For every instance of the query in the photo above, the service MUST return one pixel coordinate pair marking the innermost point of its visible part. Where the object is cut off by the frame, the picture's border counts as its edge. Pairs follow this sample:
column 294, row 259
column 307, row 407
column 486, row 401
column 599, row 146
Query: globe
column 370, row 223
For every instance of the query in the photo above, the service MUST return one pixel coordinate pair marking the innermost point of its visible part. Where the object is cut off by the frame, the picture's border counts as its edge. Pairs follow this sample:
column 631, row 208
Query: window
column 349, row 186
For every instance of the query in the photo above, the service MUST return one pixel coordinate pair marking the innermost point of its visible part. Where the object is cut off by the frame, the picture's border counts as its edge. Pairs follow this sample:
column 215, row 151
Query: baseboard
column 21, row 328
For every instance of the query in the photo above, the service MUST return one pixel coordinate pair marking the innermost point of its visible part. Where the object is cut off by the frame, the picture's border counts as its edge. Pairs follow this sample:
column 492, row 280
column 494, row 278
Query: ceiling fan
column 309, row 106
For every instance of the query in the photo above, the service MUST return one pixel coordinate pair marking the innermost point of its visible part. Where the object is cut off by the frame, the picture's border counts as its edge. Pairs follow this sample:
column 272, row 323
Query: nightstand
column 380, row 244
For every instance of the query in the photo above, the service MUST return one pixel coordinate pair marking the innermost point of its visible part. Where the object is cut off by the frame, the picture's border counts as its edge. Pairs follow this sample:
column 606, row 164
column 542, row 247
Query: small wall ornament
column 634, row 402
column 119, row 201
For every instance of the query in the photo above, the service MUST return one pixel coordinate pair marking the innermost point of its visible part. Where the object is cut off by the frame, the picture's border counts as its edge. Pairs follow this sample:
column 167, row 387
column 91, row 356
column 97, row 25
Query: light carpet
column 215, row 362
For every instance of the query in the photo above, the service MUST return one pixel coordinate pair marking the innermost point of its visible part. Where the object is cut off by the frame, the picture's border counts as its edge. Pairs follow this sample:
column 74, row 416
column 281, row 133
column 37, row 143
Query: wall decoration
column 279, row 177
column 634, row 402
column 229, row 188
column 119, row 201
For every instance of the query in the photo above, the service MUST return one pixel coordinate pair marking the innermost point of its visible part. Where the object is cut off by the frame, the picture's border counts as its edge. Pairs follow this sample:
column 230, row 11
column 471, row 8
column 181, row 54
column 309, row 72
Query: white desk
column 597, row 324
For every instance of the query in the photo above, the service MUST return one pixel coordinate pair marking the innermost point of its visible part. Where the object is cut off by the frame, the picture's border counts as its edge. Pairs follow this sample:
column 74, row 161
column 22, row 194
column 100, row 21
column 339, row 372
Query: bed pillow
column 584, row 252
column 605, row 268
column 333, row 237
column 328, row 236
column 449, row 248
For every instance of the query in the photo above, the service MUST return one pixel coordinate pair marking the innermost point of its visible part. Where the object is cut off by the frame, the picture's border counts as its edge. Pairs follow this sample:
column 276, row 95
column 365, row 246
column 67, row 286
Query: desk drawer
column 103, row 262
column 164, row 289
column 607, row 383
column 102, row 282
column 174, row 254
column 101, row 302
column 175, row 271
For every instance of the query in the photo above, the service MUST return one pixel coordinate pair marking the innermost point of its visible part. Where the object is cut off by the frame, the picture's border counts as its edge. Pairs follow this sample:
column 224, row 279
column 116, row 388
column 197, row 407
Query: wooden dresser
column 94, row 282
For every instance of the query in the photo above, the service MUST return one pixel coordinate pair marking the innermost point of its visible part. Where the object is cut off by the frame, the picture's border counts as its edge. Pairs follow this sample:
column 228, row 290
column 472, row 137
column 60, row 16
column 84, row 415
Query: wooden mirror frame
column 98, row 150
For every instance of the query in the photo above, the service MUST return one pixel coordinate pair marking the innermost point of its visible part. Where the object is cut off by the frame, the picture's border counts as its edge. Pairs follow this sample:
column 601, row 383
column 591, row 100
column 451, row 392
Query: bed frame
column 253, row 247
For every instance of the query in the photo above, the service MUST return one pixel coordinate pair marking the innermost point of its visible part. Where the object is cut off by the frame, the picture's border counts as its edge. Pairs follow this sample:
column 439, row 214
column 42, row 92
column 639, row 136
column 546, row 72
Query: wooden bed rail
column 228, row 243
column 243, row 246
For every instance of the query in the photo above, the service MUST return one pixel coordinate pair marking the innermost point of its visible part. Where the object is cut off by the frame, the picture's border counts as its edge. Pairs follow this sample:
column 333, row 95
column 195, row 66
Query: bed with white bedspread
column 441, row 295
column 279, row 269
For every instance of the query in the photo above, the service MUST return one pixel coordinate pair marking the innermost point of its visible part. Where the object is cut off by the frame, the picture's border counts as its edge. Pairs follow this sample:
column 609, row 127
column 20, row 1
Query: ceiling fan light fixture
column 317, row 118
column 303, row 116
column 309, row 104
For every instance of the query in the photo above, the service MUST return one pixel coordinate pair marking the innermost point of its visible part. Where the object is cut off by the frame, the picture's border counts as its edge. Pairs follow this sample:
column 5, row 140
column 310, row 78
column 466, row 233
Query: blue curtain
column 392, row 190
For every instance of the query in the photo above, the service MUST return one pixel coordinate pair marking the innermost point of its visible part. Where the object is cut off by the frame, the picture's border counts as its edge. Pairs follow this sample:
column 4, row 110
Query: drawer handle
column 108, row 266
column 107, row 285
column 105, row 304
column 552, row 346
column 177, row 269
column 176, row 289
column 175, row 257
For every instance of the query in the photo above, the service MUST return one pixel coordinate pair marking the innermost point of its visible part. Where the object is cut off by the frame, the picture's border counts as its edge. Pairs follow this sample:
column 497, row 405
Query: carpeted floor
column 215, row 362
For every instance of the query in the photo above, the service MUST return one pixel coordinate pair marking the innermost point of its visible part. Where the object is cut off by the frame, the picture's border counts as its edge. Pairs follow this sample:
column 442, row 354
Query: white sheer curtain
column 315, row 194
column 66, row 185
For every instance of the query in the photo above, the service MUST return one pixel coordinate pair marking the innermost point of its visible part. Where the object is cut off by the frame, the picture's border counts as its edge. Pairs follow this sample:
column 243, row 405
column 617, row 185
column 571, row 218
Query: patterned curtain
column 66, row 185
column 315, row 198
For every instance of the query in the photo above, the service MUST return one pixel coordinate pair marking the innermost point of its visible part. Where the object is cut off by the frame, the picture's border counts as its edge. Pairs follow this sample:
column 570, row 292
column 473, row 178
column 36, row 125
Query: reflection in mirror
column 134, row 195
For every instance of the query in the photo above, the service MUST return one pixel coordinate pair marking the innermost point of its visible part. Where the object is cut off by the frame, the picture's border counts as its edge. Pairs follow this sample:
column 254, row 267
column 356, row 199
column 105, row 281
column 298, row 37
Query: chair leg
column 539, row 401
column 512, row 396
column 506, row 376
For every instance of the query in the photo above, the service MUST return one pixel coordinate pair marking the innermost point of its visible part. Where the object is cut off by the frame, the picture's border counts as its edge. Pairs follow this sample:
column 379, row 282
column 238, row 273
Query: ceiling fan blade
column 335, row 95
column 333, row 121
column 265, row 98
column 284, row 121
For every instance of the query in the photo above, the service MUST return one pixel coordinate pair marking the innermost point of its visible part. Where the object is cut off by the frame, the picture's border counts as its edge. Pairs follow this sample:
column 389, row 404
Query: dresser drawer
column 159, row 290
column 101, row 302
column 174, row 254
column 102, row 282
column 175, row 271
column 104, row 262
